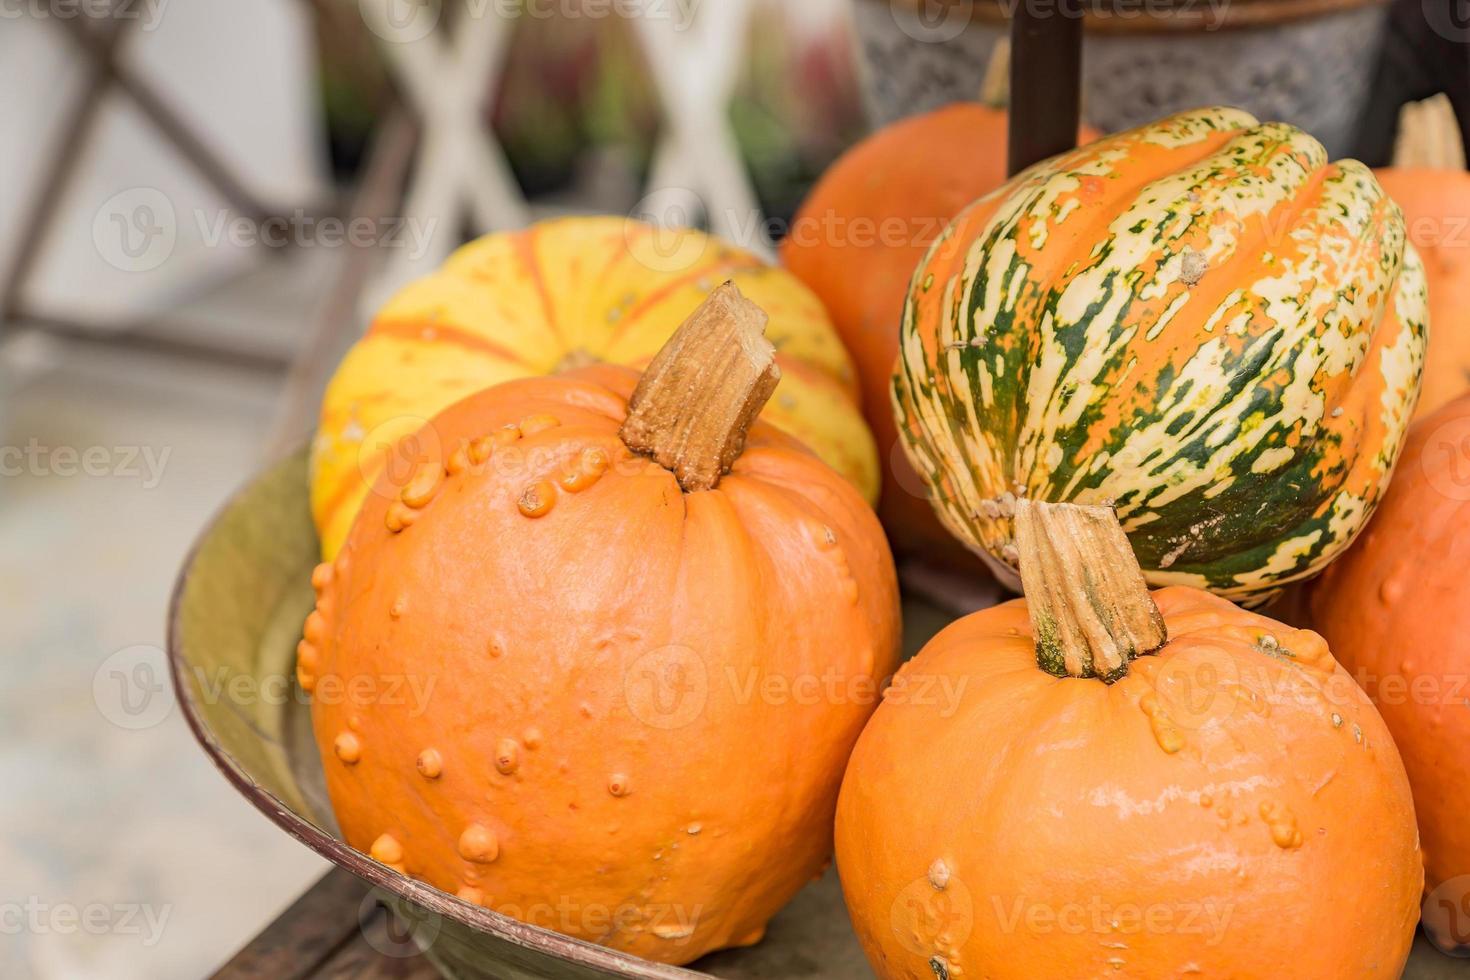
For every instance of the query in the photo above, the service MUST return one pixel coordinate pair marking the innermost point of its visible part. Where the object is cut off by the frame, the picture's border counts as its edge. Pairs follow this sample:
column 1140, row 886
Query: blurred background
column 200, row 205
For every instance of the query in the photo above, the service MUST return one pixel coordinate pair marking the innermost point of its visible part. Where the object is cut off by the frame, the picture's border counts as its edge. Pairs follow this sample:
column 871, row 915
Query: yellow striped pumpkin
column 1202, row 320
column 564, row 293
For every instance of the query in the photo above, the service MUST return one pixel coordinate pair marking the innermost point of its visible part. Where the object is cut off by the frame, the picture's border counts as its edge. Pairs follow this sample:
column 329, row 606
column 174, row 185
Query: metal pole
column 1046, row 80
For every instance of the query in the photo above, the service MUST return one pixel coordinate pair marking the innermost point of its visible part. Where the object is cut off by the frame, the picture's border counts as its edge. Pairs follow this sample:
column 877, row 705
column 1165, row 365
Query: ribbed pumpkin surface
column 1202, row 320
column 565, row 293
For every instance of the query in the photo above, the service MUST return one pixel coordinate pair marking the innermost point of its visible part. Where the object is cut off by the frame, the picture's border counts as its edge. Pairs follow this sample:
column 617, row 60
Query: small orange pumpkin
column 1436, row 205
column 1396, row 609
column 856, row 241
column 1037, row 803
column 640, row 681
column 563, row 293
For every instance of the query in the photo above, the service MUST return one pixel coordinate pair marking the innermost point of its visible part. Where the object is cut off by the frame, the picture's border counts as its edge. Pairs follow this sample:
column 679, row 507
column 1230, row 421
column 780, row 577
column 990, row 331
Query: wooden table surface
column 335, row 930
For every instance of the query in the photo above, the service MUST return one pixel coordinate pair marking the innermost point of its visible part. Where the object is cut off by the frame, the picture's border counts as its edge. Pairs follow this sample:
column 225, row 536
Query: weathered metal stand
column 1046, row 81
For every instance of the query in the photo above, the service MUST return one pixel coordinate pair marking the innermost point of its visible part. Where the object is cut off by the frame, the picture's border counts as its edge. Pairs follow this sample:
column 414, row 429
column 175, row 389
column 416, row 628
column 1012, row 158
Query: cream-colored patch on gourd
column 1402, row 361
column 1168, row 315
column 1148, row 230
column 1349, row 511
column 1188, row 128
column 1204, row 381
column 995, row 261
column 1272, row 459
column 1285, row 558
column 1158, row 578
column 987, row 386
column 1233, row 299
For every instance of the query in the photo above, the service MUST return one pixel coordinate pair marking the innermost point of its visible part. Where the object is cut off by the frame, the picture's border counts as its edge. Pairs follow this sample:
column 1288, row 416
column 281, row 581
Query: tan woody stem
column 1091, row 612
column 699, row 395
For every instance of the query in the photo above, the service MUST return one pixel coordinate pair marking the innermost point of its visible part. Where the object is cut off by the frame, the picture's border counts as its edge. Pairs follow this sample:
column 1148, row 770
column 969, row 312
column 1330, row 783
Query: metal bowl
column 236, row 617
column 233, row 626
column 1306, row 62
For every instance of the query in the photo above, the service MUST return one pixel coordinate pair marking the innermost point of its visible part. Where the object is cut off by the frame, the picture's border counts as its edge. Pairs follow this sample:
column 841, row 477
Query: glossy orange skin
column 1436, row 206
column 856, row 242
column 1071, row 841
column 620, row 719
column 1396, row 608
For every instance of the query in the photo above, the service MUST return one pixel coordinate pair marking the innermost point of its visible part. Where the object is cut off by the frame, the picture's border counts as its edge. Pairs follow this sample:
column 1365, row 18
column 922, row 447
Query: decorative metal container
column 1306, row 62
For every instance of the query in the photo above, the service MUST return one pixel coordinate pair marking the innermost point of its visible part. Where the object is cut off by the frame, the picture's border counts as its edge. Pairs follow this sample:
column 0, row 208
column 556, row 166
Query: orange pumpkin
column 641, row 681
column 1436, row 205
column 856, row 241
column 1035, row 802
column 559, row 294
column 1396, row 609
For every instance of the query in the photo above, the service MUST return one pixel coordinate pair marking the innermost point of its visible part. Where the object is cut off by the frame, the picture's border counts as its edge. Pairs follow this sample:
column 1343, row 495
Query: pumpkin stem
column 1090, row 609
column 691, row 409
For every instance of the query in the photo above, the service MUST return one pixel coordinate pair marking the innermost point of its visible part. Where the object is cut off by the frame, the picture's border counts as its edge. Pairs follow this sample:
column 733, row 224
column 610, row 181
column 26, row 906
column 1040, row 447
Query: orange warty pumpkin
column 564, row 293
column 640, row 681
column 1436, row 205
column 1231, row 806
column 856, row 241
column 1396, row 609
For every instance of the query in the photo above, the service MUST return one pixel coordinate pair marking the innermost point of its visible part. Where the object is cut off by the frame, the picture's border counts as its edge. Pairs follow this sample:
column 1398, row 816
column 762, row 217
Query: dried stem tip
column 1090, row 608
column 691, row 410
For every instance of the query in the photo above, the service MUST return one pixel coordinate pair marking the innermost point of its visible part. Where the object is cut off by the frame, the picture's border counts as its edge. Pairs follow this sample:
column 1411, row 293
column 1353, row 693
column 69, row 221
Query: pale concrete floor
column 123, row 853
